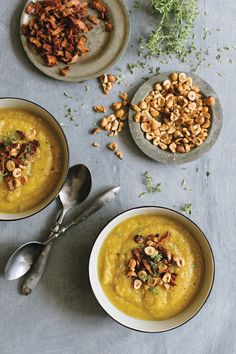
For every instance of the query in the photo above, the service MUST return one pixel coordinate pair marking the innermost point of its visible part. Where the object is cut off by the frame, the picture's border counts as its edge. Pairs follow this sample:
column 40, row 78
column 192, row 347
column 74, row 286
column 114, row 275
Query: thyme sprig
column 150, row 186
column 177, row 20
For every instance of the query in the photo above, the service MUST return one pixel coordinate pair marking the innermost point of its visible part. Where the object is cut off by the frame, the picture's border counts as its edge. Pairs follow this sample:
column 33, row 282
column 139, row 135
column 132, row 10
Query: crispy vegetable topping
column 16, row 154
column 57, row 29
column 152, row 264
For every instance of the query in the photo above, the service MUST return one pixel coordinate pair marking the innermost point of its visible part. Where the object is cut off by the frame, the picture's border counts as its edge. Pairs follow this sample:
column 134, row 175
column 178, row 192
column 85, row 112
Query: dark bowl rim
column 213, row 274
column 67, row 154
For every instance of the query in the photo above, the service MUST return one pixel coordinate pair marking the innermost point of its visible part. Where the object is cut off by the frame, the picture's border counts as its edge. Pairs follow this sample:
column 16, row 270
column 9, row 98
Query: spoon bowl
column 77, row 186
column 22, row 259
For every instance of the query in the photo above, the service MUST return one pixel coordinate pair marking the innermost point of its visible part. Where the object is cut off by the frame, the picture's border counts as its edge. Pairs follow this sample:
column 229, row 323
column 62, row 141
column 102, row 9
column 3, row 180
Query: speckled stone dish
column 106, row 48
column 164, row 156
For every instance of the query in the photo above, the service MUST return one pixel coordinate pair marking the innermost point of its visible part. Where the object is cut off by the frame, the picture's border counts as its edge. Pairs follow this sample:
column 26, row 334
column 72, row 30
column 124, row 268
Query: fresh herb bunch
column 177, row 18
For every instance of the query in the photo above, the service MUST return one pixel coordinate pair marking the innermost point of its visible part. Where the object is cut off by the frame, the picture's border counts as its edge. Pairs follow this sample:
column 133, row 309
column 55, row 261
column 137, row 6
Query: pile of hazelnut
column 113, row 123
column 175, row 115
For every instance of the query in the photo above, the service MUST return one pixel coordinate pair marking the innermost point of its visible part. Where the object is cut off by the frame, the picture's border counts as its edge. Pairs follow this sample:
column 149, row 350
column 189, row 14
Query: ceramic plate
column 165, row 156
column 191, row 310
column 106, row 48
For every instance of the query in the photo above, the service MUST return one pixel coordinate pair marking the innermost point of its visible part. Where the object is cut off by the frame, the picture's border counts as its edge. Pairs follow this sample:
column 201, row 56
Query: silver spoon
column 38, row 268
column 75, row 190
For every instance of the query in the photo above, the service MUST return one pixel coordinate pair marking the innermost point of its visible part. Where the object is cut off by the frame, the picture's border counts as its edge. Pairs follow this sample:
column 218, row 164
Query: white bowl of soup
column 33, row 158
column 151, row 269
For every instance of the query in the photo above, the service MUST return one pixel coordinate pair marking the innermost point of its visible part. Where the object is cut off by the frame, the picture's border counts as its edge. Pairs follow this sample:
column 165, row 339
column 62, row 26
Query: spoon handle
column 36, row 271
column 99, row 203
column 39, row 266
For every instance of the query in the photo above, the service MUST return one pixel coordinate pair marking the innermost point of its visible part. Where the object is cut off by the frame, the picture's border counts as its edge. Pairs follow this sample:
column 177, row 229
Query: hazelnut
column 103, row 122
column 174, row 76
column 96, row 131
column 123, row 96
column 113, row 146
column 179, row 261
column 119, row 154
column 132, row 264
column 17, row 173
column 10, row 165
column 210, row 101
column 142, row 105
column 137, row 117
column 182, row 77
column 112, row 78
column 116, row 106
column 166, row 277
column 137, row 284
column 100, row 109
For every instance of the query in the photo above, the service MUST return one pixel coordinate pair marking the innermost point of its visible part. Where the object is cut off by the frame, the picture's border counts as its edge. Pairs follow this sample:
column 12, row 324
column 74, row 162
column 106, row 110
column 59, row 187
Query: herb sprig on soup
column 150, row 267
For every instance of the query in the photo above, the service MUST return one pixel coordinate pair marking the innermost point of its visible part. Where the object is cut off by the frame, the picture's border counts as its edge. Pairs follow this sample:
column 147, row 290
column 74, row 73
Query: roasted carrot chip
column 56, row 28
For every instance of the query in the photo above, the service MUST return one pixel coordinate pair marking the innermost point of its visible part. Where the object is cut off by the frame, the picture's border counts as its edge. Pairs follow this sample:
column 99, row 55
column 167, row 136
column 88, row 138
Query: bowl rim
column 67, row 156
column 213, row 268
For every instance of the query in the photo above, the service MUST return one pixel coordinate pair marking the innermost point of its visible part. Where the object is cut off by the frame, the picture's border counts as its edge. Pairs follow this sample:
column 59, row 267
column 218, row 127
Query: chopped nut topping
column 152, row 263
column 10, row 165
column 17, row 173
column 15, row 152
column 183, row 113
column 137, row 284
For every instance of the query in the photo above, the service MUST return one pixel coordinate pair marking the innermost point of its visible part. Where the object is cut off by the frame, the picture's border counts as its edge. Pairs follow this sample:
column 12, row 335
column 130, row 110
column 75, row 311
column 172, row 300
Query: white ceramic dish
column 38, row 110
column 185, row 315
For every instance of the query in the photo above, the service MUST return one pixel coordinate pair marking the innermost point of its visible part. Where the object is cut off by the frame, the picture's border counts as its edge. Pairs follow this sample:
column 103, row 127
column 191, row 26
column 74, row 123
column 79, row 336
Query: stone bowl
column 165, row 156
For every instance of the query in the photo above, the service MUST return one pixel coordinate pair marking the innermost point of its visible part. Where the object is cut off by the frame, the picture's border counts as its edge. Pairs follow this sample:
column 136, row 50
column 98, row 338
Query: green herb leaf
column 176, row 21
column 68, row 95
column 150, row 186
column 194, row 265
column 187, row 208
column 158, row 257
column 153, row 290
column 137, row 4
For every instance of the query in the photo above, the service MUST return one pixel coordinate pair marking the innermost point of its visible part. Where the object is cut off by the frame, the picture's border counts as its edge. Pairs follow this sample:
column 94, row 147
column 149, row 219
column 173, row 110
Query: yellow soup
column 145, row 303
column 42, row 173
